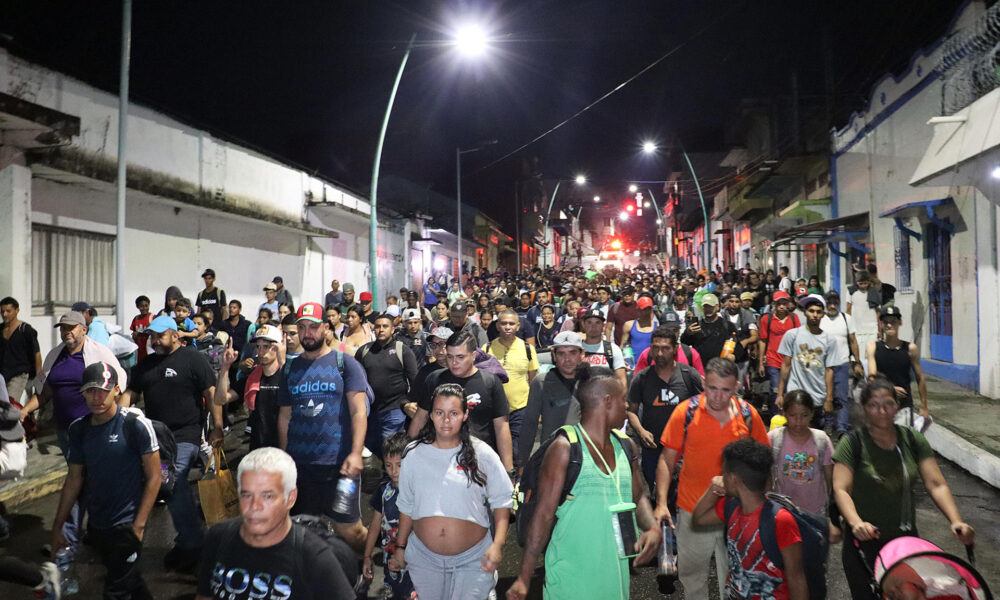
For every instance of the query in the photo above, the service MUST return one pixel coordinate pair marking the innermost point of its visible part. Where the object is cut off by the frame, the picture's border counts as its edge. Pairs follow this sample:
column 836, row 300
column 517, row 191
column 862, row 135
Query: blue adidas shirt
column 319, row 432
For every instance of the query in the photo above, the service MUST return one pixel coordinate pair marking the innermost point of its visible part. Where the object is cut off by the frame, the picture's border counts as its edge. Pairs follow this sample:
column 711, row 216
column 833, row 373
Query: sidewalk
column 966, row 431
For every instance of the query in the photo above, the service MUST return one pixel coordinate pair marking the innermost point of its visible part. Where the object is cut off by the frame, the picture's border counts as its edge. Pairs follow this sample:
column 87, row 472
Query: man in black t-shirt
column 263, row 554
column 659, row 388
column 176, row 382
column 709, row 334
column 20, row 357
column 488, row 408
column 391, row 370
column 260, row 388
column 212, row 299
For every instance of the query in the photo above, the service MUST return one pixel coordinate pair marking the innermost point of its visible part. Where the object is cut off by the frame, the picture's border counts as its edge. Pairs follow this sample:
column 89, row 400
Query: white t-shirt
column 811, row 355
column 840, row 327
column 596, row 357
column 785, row 285
column 865, row 316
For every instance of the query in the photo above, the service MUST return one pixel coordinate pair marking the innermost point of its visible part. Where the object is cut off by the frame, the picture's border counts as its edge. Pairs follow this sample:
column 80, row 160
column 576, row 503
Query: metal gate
column 939, row 292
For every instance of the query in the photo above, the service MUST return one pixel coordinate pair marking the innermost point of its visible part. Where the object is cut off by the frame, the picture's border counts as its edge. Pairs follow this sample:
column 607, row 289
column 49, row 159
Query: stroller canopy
column 910, row 568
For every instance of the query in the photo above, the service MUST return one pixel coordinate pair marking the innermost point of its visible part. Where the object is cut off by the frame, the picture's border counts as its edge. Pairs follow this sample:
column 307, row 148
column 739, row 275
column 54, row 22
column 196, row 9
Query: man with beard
column 459, row 321
column 348, row 302
column 621, row 313
column 808, row 356
column 746, row 331
column 709, row 334
column 176, row 381
column 322, row 421
column 658, row 389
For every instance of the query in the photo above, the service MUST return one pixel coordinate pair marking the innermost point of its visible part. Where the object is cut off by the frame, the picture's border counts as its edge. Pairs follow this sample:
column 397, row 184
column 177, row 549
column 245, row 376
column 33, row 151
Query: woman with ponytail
column 446, row 481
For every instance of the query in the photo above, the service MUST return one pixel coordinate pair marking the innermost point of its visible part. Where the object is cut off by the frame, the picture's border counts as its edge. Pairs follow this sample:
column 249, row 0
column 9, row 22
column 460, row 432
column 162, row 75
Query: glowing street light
column 649, row 147
column 471, row 40
column 623, row 216
column 580, row 180
column 597, row 198
column 633, row 188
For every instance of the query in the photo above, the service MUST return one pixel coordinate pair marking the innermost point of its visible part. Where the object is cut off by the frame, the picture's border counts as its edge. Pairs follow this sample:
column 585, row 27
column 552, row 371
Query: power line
column 621, row 85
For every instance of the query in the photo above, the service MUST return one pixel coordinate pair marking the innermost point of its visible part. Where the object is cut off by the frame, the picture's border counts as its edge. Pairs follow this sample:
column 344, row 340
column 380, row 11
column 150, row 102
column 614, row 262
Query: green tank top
column 581, row 560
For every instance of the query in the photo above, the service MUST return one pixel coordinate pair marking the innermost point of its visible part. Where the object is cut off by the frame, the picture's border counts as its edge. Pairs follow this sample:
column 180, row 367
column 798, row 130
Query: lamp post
column 650, row 148
column 580, row 180
column 470, row 40
column 373, row 202
column 126, row 53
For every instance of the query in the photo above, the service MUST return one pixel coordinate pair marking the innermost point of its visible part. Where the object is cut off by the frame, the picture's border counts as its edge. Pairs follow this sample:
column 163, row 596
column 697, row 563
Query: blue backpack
column 814, row 530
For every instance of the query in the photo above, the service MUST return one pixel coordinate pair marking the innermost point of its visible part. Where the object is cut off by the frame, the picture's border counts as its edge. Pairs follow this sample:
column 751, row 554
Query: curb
column 32, row 488
column 972, row 458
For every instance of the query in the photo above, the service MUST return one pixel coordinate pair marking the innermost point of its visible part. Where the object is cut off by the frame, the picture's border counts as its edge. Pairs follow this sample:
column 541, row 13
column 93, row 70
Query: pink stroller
column 909, row 568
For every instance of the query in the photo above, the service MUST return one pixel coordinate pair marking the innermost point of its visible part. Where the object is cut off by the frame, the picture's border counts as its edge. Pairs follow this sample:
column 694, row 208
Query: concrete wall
column 875, row 156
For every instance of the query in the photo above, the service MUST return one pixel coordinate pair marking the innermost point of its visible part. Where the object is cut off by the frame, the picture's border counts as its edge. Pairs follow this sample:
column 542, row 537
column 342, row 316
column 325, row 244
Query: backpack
column 369, row 392
column 854, row 439
column 608, row 354
column 213, row 353
column 367, row 347
column 818, row 438
column 168, row 450
column 524, row 501
column 692, row 408
column 770, row 320
column 813, row 529
column 688, row 353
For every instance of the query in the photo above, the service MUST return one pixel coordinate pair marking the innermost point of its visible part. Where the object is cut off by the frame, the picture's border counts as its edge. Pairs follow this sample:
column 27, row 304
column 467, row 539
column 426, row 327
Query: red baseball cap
column 365, row 297
column 644, row 302
column 780, row 295
column 801, row 291
column 310, row 311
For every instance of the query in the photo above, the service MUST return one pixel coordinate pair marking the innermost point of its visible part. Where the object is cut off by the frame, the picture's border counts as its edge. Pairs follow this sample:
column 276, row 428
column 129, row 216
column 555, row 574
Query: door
column 939, row 292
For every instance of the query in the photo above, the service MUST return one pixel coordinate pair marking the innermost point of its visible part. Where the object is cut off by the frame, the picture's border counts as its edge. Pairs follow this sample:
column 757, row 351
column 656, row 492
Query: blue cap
column 161, row 324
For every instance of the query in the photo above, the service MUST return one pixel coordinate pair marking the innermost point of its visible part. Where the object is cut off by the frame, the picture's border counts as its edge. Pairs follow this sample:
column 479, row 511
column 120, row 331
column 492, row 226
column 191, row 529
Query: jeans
column 381, row 425
column 842, row 396
column 515, row 419
column 774, row 376
column 74, row 524
column 183, row 511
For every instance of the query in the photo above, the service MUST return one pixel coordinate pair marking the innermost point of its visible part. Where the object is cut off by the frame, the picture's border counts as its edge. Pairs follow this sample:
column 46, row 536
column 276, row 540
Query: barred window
column 69, row 265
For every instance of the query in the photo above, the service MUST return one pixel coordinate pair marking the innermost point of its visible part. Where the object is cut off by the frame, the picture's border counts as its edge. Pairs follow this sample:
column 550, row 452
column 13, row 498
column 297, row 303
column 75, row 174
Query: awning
column 832, row 230
column 919, row 208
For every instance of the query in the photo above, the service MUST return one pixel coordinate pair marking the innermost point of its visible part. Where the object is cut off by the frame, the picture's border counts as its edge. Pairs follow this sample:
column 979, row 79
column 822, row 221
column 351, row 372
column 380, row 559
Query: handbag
column 217, row 492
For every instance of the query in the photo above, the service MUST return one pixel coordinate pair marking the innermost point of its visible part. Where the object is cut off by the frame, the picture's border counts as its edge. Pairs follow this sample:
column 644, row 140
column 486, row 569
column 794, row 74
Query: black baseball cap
column 890, row 311
column 595, row 313
column 99, row 375
column 208, row 273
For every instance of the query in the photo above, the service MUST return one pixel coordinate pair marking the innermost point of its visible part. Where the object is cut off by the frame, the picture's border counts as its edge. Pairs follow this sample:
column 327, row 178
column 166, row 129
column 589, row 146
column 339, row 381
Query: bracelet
column 398, row 546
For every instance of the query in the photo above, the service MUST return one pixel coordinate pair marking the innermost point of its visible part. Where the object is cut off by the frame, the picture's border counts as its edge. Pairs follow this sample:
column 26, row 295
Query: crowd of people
column 629, row 398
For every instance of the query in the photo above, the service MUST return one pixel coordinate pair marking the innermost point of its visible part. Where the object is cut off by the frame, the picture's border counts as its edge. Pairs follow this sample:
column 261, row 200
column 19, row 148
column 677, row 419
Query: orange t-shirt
column 706, row 438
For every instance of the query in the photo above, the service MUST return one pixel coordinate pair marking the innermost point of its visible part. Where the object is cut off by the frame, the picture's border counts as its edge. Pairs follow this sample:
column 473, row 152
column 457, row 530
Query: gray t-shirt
column 811, row 355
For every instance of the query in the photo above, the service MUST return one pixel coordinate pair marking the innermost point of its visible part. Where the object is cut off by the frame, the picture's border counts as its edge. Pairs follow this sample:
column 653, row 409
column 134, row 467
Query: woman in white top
column 357, row 333
column 445, row 483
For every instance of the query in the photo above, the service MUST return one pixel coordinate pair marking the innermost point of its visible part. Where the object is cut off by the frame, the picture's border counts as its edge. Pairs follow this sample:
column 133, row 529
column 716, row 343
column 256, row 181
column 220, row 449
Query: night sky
column 308, row 81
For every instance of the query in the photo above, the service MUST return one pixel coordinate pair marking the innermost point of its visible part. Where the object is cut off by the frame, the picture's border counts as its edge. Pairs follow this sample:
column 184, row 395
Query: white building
column 917, row 202
column 193, row 201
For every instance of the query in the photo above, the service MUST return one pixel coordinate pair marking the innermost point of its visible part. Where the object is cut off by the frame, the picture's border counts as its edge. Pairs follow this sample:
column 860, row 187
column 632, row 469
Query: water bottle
column 64, row 562
column 346, row 499
column 729, row 348
column 666, row 574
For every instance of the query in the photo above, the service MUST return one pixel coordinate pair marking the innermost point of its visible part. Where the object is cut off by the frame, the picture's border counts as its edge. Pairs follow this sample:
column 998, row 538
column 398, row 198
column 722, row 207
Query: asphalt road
column 979, row 503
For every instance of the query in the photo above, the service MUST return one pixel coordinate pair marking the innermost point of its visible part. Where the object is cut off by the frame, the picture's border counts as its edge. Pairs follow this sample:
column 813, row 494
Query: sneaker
column 49, row 588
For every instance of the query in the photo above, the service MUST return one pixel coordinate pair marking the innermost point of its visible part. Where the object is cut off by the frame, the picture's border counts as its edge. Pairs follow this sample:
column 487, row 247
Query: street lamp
column 470, row 40
column 649, row 147
column 633, row 188
column 580, row 180
column 597, row 198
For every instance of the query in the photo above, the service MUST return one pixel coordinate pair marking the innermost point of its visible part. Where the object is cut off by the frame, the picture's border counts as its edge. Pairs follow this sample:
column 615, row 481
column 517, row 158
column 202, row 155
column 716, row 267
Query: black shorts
column 317, row 485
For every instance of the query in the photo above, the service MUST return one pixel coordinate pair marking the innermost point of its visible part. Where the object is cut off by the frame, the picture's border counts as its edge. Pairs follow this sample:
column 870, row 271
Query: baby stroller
column 909, row 568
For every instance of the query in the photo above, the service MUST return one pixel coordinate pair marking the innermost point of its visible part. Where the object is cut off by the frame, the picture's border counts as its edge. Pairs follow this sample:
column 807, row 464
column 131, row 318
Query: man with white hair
column 263, row 554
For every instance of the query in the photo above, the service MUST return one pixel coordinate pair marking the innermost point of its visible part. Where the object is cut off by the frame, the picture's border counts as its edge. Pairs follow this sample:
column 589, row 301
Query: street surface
column 979, row 504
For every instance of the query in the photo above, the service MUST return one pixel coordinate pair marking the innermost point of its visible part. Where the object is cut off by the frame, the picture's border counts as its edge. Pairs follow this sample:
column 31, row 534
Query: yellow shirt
column 518, row 366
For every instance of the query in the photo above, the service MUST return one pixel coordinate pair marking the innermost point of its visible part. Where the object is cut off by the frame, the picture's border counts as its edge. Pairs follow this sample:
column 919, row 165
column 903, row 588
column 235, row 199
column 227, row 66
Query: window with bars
column 69, row 265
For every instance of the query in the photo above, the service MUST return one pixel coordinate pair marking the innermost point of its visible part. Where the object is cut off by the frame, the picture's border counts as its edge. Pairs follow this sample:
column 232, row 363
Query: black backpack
column 814, row 530
column 168, row 450
column 524, row 500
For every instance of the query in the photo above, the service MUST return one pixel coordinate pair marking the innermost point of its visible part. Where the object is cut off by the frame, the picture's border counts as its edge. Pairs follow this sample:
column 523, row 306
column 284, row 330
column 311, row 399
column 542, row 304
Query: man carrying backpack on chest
column 585, row 557
column 755, row 527
column 114, row 456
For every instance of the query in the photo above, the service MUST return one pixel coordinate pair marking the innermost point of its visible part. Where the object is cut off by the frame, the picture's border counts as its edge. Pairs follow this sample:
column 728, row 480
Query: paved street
column 978, row 502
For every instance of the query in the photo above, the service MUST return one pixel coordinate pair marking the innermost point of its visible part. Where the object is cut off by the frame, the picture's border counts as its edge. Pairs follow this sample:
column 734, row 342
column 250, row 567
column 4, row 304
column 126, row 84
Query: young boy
column 746, row 471
column 386, row 519
column 114, row 470
column 139, row 324
column 186, row 328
